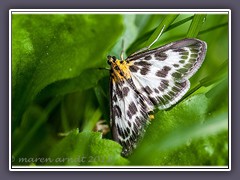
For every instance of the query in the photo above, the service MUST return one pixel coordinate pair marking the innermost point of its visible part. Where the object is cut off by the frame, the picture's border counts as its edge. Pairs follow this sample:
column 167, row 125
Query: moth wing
column 162, row 74
column 129, row 114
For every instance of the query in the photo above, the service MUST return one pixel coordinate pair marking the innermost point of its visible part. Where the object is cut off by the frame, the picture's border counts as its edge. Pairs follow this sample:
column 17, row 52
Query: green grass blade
column 145, row 36
column 90, row 123
column 39, row 122
column 164, row 24
column 196, row 25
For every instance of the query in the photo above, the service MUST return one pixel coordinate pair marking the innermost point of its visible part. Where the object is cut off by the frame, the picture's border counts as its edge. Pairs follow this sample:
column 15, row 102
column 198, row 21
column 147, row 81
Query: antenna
column 121, row 55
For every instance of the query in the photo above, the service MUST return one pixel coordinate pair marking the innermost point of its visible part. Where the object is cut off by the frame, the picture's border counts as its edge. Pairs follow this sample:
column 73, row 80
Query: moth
column 147, row 80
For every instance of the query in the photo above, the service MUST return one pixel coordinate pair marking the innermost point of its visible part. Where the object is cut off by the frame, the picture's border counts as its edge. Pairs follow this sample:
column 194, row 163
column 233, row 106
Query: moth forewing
column 150, row 79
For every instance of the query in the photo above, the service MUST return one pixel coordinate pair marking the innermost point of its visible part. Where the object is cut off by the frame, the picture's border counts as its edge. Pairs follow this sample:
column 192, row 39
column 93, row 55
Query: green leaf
column 86, row 80
column 102, row 94
column 86, row 148
column 181, row 128
column 50, row 48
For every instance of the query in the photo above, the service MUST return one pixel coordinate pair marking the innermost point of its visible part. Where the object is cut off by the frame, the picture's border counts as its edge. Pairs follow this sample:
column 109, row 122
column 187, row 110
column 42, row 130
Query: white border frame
column 117, row 168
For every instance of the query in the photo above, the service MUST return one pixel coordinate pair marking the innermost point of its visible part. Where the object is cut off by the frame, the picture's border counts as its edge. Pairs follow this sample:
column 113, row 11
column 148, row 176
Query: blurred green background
column 59, row 92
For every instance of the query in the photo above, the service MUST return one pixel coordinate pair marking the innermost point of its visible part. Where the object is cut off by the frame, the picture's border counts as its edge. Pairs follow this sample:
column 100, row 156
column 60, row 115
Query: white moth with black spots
column 147, row 80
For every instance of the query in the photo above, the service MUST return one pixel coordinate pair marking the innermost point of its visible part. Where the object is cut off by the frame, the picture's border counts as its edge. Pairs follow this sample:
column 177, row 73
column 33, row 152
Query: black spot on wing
column 142, row 63
column 148, row 90
column 117, row 111
column 163, row 72
column 165, row 81
column 163, row 85
column 132, row 108
column 125, row 91
column 143, row 106
column 129, row 124
column 135, row 128
column 138, row 123
column 179, row 50
column 133, row 68
column 176, row 89
column 144, row 70
column 162, row 100
column 167, row 98
column 114, row 98
column 182, row 84
column 144, row 101
column 160, row 88
column 156, row 90
column 129, row 114
column 130, row 82
column 128, row 130
column 119, row 92
column 166, row 68
column 172, row 93
column 120, row 131
column 127, row 143
column 160, row 56
column 147, row 57
column 153, row 100
column 125, row 133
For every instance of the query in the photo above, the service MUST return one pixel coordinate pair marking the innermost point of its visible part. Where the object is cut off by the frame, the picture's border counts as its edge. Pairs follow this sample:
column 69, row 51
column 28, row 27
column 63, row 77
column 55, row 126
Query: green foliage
column 51, row 48
column 86, row 148
column 59, row 93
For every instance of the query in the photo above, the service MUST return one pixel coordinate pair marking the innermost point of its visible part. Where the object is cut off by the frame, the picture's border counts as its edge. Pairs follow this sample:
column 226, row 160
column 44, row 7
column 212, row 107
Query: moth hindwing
column 156, row 78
